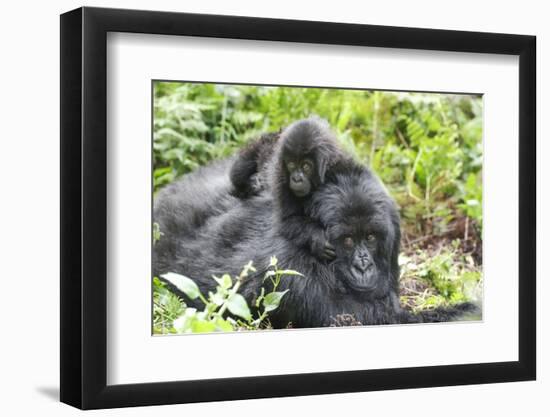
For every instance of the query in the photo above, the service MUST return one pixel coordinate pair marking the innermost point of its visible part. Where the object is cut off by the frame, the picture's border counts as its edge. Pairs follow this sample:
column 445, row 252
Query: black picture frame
column 84, row 207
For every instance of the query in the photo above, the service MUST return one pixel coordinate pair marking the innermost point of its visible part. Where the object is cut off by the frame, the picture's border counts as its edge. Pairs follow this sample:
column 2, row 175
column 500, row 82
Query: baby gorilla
column 306, row 150
column 293, row 164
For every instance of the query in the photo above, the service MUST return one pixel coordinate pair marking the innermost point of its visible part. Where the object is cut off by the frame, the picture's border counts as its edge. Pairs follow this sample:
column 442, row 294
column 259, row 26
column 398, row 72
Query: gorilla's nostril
column 361, row 265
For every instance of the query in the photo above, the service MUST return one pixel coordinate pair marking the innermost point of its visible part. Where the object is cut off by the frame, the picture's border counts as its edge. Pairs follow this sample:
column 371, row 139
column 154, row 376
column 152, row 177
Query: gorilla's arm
column 306, row 233
column 248, row 173
column 242, row 171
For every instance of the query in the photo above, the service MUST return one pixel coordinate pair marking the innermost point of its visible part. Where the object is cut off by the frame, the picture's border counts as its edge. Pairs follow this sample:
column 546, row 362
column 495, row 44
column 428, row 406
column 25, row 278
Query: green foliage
column 195, row 123
column 156, row 232
column 171, row 315
column 167, row 307
column 471, row 191
column 449, row 276
column 426, row 148
column 425, row 161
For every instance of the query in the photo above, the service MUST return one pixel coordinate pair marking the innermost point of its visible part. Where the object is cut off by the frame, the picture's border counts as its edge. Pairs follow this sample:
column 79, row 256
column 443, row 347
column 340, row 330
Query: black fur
column 184, row 207
column 248, row 173
column 262, row 165
column 310, row 138
column 225, row 238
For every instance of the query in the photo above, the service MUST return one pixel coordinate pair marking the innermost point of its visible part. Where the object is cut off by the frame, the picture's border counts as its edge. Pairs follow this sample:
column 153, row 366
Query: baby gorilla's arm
column 257, row 183
column 304, row 232
column 247, row 173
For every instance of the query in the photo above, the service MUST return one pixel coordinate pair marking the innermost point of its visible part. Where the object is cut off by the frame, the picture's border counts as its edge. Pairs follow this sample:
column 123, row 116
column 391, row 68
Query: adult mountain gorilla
column 361, row 221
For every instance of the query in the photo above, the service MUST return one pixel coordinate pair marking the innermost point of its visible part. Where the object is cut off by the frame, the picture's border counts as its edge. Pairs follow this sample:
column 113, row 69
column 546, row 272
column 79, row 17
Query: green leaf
column 237, row 305
column 200, row 326
column 158, row 283
column 224, row 325
column 273, row 299
column 269, row 273
column 289, row 272
column 225, row 281
column 156, row 232
column 216, row 298
column 184, row 284
column 184, row 322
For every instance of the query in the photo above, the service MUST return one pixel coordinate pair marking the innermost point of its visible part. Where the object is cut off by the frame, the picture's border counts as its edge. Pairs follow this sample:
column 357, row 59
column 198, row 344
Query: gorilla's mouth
column 364, row 280
column 299, row 190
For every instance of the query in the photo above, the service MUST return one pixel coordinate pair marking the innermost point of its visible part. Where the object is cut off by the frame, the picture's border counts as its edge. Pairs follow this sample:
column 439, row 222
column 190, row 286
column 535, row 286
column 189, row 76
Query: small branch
column 411, row 176
column 420, row 239
column 224, row 115
column 374, row 127
column 401, row 137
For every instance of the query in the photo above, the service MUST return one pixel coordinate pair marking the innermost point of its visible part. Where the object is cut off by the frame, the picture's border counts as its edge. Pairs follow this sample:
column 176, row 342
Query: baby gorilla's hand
column 321, row 247
column 256, row 184
column 329, row 253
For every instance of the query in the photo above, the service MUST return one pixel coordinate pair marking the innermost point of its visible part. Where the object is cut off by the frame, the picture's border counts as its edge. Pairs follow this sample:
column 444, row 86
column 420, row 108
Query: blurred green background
column 426, row 148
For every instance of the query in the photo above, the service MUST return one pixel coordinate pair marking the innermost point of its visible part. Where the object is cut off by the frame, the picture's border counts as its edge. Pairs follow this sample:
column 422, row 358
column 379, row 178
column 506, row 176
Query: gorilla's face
column 362, row 257
column 358, row 253
column 307, row 146
column 300, row 173
column 361, row 222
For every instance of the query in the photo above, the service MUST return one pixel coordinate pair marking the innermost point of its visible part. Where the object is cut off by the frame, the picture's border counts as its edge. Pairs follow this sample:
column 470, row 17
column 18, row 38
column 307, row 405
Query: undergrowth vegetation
column 426, row 148
column 171, row 315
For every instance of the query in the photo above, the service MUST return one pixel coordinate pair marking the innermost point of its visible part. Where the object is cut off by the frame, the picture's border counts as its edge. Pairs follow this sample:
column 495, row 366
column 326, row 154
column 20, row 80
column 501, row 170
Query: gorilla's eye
column 291, row 166
column 306, row 166
column 371, row 238
column 348, row 242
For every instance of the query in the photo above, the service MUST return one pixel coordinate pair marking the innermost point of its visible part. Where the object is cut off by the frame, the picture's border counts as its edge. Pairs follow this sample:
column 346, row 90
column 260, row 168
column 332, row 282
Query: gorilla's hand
column 256, row 184
column 321, row 247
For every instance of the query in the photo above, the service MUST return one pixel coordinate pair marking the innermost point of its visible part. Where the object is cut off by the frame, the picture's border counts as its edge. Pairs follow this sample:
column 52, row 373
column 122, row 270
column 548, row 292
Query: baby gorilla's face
column 300, row 176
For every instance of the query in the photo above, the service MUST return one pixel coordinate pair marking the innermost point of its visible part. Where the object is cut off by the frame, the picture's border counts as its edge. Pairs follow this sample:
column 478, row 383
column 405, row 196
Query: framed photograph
column 258, row 208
